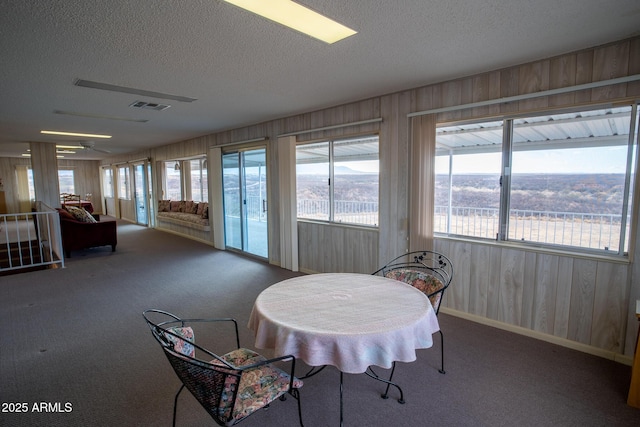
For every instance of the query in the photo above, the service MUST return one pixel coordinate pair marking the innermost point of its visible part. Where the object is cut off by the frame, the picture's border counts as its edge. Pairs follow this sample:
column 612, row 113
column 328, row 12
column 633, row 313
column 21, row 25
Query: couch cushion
column 64, row 214
column 80, row 214
column 201, row 207
column 175, row 206
column 190, row 207
column 164, row 205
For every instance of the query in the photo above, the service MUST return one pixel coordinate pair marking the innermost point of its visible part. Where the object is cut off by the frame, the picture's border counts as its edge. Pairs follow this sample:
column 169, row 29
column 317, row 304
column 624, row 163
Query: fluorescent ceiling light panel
column 84, row 135
column 298, row 17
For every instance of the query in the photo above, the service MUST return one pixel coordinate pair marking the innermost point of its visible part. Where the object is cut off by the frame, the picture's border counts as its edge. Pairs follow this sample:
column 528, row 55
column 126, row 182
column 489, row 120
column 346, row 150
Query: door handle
column 264, row 205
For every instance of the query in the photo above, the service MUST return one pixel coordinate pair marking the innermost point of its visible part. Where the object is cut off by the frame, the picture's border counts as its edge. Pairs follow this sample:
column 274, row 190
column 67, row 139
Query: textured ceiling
column 244, row 69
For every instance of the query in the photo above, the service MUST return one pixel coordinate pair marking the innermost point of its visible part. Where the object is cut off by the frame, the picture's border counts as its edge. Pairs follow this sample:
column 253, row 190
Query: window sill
column 530, row 247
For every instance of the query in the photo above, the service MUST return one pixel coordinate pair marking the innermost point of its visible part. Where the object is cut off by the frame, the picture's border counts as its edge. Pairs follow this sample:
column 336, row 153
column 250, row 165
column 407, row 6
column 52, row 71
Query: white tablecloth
column 350, row 321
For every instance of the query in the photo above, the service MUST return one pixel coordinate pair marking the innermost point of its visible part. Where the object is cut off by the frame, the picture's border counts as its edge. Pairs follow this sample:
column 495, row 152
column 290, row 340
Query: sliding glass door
column 140, row 193
column 245, row 201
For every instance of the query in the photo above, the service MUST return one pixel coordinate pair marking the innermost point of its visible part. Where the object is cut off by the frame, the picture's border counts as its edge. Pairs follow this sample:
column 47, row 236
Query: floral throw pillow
column 81, row 214
column 174, row 207
column 164, row 205
column 201, row 207
column 190, row 207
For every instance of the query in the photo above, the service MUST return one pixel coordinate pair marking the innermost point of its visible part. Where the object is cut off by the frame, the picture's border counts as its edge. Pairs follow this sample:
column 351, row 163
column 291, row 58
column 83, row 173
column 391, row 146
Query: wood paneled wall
column 576, row 299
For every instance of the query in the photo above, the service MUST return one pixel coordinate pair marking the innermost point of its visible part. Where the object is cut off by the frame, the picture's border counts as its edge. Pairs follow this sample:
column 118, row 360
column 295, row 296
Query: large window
column 551, row 180
column 337, row 180
column 198, row 182
column 186, row 179
column 172, row 181
column 107, row 182
column 66, row 181
column 124, row 189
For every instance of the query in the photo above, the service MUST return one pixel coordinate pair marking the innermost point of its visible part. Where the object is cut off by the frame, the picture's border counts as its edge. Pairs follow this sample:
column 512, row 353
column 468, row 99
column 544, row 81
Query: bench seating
column 184, row 217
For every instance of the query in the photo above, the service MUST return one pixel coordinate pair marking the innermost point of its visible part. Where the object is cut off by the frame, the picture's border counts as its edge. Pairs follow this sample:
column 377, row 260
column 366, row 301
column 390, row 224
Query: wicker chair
column 428, row 271
column 229, row 387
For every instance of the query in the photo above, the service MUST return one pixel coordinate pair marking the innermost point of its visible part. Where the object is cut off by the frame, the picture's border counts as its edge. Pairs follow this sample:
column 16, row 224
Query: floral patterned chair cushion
column 420, row 280
column 258, row 386
column 183, row 344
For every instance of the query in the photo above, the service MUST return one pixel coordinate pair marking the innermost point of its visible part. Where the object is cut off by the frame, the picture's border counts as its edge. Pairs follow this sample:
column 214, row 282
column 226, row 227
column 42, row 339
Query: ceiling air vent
column 149, row 105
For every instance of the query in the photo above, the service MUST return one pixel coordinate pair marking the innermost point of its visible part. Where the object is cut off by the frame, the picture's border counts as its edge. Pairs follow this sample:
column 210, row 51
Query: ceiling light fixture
column 70, row 147
column 298, row 17
column 84, row 135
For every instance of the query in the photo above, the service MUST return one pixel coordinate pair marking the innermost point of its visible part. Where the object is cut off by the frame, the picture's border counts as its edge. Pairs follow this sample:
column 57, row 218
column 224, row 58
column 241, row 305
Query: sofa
column 184, row 213
column 79, row 232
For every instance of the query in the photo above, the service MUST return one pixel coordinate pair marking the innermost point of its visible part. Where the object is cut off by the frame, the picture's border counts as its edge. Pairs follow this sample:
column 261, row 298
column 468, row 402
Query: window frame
column 124, row 182
column 73, row 179
column 331, row 177
column 107, row 182
column 626, row 229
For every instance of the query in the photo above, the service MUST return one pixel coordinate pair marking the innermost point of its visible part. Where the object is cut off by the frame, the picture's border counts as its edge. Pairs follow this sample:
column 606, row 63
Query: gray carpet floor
column 74, row 348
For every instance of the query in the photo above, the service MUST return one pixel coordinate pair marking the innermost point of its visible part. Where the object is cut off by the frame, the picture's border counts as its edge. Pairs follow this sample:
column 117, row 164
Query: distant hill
column 585, row 193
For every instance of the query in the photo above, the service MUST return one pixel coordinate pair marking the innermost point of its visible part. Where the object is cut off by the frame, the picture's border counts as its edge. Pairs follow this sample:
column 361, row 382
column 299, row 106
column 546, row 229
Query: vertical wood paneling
column 528, row 289
column 494, row 261
column 394, row 180
column 509, row 87
column 533, row 77
column 45, row 175
column 562, row 73
column 610, row 62
column 459, row 295
column 442, row 246
column 583, row 284
column 545, row 293
column 563, row 297
column 610, row 309
column 477, row 269
column 633, row 88
column 511, row 286
column 330, row 249
column 584, row 74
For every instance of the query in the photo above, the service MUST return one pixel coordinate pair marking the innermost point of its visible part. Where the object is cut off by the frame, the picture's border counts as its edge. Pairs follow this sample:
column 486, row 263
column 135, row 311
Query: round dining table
column 347, row 320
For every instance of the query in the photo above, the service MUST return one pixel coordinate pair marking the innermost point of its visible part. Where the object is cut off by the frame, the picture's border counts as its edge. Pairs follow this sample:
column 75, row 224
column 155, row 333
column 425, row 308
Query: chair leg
column 296, row 395
column 175, row 405
column 441, row 370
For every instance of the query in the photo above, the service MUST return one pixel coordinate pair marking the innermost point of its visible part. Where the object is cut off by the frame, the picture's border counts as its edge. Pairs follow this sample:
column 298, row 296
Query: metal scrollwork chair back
column 231, row 386
column 430, row 272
